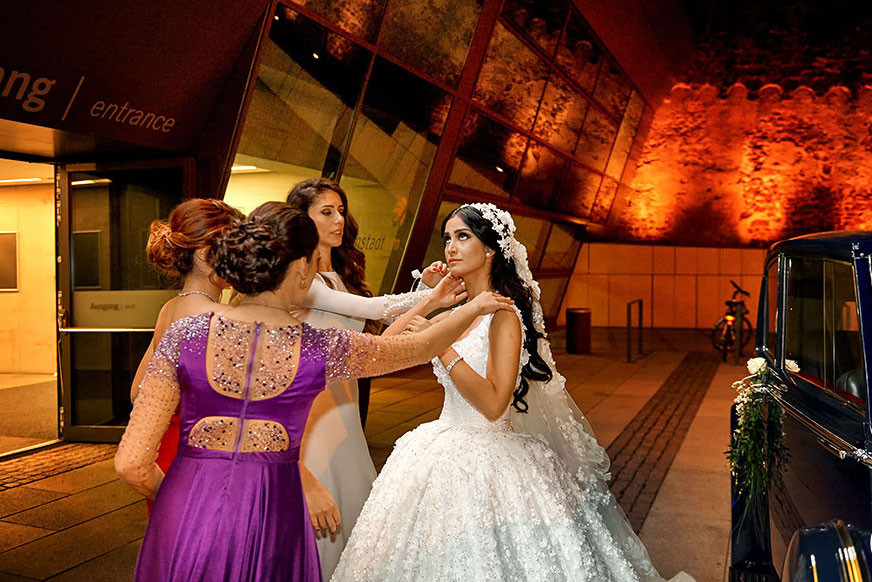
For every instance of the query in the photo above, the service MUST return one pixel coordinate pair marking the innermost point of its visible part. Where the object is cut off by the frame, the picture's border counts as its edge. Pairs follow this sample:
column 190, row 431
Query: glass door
column 108, row 294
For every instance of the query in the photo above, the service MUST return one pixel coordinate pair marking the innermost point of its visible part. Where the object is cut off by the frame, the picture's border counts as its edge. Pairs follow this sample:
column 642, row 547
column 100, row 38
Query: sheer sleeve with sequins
column 154, row 406
column 350, row 354
column 384, row 307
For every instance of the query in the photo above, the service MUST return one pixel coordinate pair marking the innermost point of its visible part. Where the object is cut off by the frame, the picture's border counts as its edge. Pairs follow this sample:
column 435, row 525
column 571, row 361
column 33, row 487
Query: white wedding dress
column 463, row 499
column 334, row 447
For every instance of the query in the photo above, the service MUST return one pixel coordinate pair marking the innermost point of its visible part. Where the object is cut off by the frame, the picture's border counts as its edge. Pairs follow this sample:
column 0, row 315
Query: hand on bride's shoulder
column 434, row 273
column 488, row 302
column 449, row 291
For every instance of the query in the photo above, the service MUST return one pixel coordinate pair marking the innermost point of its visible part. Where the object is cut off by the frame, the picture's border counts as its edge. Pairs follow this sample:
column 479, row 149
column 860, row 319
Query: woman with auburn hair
column 231, row 506
column 181, row 247
column 337, row 469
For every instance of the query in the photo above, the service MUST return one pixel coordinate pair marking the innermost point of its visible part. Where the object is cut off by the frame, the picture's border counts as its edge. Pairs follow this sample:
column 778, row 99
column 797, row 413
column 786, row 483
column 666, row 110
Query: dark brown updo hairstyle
column 253, row 254
column 191, row 225
column 349, row 262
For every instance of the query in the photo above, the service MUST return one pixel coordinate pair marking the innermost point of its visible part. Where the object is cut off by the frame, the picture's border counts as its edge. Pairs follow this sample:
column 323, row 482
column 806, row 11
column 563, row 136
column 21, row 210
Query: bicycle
column 725, row 331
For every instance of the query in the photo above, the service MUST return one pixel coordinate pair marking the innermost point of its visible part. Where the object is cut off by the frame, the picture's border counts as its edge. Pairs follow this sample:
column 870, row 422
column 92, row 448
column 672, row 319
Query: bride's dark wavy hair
column 504, row 279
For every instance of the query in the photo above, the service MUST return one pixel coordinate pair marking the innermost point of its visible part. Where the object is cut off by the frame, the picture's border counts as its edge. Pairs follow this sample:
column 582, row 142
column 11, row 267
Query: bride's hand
column 434, row 273
column 488, row 302
column 323, row 512
column 449, row 291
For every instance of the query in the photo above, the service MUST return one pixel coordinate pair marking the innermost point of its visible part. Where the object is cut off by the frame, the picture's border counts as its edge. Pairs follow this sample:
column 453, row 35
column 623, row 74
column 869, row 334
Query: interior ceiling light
column 90, row 182
column 315, row 56
column 20, row 180
column 500, row 170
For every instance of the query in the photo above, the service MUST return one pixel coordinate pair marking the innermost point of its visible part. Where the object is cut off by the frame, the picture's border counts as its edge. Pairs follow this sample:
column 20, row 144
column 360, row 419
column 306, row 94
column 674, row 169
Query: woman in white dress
column 508, row 484
column 337, row 469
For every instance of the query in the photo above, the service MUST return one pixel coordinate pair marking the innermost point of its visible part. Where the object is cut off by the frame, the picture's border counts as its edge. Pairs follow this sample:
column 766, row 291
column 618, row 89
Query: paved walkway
column 664, row 419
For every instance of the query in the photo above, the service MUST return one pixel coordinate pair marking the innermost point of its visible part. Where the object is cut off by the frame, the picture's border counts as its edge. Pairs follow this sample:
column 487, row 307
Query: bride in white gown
column 509, row 483
column 336, row 468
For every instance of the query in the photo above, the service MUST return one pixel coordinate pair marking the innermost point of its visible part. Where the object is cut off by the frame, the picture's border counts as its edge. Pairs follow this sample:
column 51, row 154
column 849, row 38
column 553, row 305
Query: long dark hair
column 505, row 280
column 349, row 262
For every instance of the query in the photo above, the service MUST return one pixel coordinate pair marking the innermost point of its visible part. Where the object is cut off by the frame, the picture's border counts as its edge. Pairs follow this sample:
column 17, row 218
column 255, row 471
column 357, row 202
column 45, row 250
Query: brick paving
column 643, row 452
column 52, row 461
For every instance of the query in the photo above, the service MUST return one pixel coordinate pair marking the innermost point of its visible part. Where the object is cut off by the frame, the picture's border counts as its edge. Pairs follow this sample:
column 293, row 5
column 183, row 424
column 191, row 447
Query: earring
column 302, row 283
column 489, row 253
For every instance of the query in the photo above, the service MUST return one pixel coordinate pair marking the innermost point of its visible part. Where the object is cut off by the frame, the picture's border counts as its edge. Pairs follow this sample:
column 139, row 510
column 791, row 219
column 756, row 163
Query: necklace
column 186, row 293
column 263, row 305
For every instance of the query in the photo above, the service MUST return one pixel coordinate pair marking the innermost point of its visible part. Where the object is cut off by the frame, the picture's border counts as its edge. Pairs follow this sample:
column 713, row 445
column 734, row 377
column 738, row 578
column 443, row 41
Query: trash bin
column 578, row 330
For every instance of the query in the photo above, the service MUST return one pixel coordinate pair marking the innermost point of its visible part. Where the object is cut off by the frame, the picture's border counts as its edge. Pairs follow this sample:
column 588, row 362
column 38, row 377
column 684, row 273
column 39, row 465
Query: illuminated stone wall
column 746, row 170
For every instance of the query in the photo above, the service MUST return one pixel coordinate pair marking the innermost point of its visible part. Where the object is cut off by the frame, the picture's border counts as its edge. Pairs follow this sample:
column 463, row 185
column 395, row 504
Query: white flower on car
column 757, row 365
column 791, row 365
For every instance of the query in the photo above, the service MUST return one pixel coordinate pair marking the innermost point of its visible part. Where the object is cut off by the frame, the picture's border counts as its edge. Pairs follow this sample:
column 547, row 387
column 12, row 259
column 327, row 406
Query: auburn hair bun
column 191, row 225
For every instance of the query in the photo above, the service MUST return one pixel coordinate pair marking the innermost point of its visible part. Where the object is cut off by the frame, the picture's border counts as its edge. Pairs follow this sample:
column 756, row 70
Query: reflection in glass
column 577, row 191
column 596, row 140
column 541, row 22
column 359, row 17
column 612, row 89
column 541, row 175
column 532, row 233
column 604, row 200
column 432, row 39
column 562, row 247
column 626, row 134
column 103, row 366
column 391, row 152
column 307, row 87
column 552, row 289
column 511, row 79
column 435, row 248
column 561, row 116
column 488, row 157
column 579, row 54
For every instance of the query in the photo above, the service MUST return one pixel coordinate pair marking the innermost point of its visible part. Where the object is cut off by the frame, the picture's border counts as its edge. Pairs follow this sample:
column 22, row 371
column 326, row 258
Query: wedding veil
column 554, row 418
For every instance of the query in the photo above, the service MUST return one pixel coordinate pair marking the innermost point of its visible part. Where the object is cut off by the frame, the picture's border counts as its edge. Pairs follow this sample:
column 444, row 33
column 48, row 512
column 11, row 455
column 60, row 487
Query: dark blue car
column 816, row 309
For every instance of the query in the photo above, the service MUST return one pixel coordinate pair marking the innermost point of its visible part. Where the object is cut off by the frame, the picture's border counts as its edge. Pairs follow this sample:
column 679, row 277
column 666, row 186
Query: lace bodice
column 474, row 348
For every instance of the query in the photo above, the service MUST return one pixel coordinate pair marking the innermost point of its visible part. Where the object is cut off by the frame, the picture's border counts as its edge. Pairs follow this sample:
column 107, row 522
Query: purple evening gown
column 231, row 506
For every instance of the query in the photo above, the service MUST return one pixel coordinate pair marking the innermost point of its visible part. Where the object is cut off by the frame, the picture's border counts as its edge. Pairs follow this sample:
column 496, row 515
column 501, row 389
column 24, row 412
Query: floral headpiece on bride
column 512, row 249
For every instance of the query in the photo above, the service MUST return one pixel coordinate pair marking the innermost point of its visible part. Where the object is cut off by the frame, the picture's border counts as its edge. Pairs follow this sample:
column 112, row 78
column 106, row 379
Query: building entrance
column 28, row 337
column 108, row 294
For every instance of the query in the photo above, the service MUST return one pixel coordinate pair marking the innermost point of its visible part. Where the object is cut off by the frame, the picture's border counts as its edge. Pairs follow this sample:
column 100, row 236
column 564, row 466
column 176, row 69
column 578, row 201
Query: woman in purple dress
column 231, row 506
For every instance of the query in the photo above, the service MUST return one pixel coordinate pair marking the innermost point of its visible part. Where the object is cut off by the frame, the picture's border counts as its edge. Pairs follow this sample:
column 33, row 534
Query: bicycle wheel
column 747, row 331
column 722, row 336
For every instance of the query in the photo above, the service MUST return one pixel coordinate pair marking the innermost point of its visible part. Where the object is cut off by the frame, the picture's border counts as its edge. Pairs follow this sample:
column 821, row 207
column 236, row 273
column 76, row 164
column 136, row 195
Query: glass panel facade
column 551, row 289
column 364, row 95
column 511, row 80
column 561, row 116
column 433, row 40
column 596, row 140
column 540, row 22
column 579, row 54
column 612, row 89
column 488, row 157
column 359, row 17
column 562, row 248
column 389, row 160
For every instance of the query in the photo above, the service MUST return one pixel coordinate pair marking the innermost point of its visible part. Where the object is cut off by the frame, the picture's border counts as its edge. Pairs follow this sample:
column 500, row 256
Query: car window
column 804, row 322
column 772, row 307
column 822, row 333
column 848, row 374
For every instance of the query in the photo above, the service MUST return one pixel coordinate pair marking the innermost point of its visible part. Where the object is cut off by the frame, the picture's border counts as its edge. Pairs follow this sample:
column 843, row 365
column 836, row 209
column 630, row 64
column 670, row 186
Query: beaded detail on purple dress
column 231, row 506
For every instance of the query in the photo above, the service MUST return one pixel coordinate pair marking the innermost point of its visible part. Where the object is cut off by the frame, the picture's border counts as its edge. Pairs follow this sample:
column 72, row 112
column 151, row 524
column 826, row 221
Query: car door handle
column 832, row 449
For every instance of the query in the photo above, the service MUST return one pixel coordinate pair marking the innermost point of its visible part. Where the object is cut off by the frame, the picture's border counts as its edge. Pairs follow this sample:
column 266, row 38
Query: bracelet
column 451, row 364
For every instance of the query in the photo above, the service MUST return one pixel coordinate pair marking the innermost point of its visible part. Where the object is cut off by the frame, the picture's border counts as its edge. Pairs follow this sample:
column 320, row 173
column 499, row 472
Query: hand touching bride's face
column 464, row 252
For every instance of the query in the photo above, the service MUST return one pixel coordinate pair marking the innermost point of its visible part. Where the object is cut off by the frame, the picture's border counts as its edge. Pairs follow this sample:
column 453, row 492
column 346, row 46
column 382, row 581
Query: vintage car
column 815, row 308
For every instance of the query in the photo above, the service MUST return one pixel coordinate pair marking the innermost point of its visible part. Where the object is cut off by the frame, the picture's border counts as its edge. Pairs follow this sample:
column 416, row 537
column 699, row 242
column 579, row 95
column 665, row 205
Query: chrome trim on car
column 828, row 440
